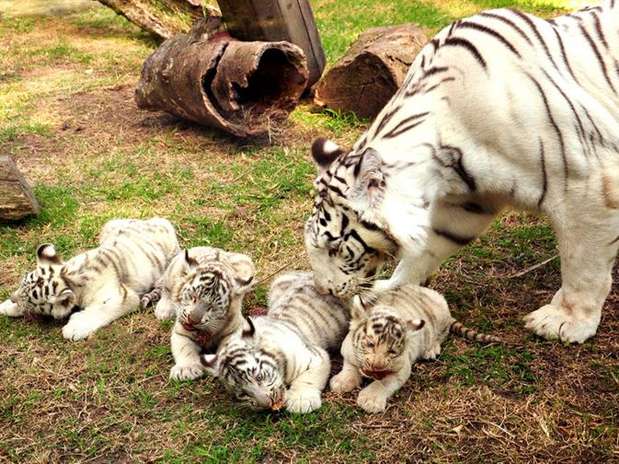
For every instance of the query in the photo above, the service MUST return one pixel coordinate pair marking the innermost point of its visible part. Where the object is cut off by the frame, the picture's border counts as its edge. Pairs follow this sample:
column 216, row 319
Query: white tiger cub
column 204, row 288
column 502, row 109
column 105, row 282
column 387, row 336
column 282, row 359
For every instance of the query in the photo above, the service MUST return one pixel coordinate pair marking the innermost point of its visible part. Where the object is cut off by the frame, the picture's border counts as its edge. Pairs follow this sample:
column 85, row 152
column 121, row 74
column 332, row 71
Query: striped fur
column 282, row 360
column 388, row 335
column 204, row 289
column 105, row 282
column 502, row 109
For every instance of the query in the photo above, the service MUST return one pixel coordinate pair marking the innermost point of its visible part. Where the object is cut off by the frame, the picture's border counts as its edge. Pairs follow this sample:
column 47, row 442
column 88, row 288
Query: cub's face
column 249, row 373
column 206, row 300
column 379, row 340
column 44, row 290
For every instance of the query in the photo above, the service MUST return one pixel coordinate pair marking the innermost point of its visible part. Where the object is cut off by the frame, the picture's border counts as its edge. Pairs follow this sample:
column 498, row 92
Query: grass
column 68, row 118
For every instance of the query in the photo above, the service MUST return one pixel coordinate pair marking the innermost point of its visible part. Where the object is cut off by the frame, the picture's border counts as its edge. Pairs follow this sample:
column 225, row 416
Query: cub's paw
column 79, row 328
column 432, row 353
column 188, row 372
column 303, row 401
column 8, row 308
column 553, row 322
column 164, row 313
column 372, row 400
column 344, row 382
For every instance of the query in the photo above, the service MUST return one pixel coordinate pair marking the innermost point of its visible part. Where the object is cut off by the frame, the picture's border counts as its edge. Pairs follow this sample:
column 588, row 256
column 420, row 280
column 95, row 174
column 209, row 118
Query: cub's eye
column 392, row 352
column 370, row 344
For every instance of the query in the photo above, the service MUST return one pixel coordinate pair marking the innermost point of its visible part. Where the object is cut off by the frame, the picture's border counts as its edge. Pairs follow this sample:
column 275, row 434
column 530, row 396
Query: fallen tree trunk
column 210, row 78
column 163, row 18
column 16, row 198
column 371, row 71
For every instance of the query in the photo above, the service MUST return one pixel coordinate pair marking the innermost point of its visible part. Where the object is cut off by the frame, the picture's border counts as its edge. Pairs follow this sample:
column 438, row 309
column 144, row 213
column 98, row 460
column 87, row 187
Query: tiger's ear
column 46, row 255
column 324, row 152
column 244, row 272
column 358, row 308
column 191, row 262
column 64, row 297
column 209, row 361
column 415, row 324
column 249, row 333
column 371, row 179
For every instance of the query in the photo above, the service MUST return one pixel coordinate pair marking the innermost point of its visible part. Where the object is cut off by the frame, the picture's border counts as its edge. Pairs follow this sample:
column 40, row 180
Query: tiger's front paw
column 188, row 372
column 372, row 399
column 164, row 311
column 79, row 327
column 303, row 401
column 344, row 382
column 555, row 322
column 432, row 353
column 8, row 308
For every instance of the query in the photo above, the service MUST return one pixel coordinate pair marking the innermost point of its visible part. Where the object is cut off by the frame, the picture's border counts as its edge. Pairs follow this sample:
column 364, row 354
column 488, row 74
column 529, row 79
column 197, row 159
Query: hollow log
column 371, row 71
column 208, row 77
column 16, row 198
column 164, row 18
column 276, row 21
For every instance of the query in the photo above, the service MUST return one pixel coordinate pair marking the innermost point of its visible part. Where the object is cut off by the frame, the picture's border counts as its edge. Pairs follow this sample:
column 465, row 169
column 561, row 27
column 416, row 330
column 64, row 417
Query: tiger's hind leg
column 108, row 307
column 588, row 244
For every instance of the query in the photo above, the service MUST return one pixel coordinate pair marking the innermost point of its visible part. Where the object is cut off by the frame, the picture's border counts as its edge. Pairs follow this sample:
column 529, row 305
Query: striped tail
column 151, row 298
column 457, row 328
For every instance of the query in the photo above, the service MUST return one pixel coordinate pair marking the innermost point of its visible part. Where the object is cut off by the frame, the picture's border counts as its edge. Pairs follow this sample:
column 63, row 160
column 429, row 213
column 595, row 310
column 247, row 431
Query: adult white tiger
column 500, row 109
column 106, row 282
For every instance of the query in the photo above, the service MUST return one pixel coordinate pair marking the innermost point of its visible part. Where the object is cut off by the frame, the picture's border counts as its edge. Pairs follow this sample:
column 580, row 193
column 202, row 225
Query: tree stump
column 371, row 71
column 16, row 198
column 208, row 77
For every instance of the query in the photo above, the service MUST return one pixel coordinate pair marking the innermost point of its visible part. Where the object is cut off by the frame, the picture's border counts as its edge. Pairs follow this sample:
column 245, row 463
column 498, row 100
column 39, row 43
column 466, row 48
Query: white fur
column 184, row 343
column 105, row 295
column 409, row 303
column 499, row 120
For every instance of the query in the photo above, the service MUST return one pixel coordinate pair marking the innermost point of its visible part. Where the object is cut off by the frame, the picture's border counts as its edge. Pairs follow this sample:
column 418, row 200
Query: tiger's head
column 211, row 287
column 251, row 374
column 45, row 290
column 379, row 338
column 345, row 241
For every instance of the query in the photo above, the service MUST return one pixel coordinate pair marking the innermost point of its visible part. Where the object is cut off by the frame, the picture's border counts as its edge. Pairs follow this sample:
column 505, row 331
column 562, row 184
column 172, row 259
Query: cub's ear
column 249, row 333
column 358, row 308
column 191, row 262
column 324, row 152
column 65, row 297
column 244, row 271
column 415, row 325
column 46, row 254
column 209, row 361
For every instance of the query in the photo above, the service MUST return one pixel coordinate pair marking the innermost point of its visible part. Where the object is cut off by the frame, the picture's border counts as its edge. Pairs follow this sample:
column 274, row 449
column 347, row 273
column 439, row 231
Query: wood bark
column 16, row 198
column 208, row 77
column 164, row 18
column 371, row 71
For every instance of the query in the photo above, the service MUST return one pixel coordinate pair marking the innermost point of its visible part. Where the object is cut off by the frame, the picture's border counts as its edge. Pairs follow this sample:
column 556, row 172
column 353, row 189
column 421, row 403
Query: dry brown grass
column 108, row 399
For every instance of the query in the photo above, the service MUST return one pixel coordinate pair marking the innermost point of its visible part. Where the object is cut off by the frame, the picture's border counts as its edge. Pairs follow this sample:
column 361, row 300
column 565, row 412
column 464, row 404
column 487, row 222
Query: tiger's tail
column 457, row 328
column 151, row 298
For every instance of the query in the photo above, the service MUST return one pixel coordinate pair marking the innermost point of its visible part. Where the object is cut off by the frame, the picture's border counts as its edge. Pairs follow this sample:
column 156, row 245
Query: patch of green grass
column 61, row 51
column 16, row 129
column 496, row 365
